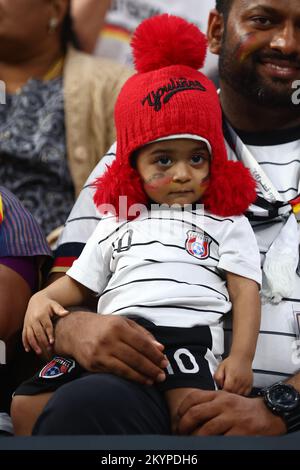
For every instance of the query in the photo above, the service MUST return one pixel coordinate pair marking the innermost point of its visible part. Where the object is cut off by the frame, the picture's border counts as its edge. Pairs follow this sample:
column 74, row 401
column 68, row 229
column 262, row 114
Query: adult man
column 259, row 48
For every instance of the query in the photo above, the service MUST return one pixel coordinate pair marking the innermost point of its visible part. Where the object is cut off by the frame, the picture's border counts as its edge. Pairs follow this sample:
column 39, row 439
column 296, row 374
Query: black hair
column 223, row 6
column 68, row 35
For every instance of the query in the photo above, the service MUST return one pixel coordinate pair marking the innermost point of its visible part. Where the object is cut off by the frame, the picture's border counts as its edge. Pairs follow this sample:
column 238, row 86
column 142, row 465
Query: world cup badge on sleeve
column 57, row 367
column 197, row 244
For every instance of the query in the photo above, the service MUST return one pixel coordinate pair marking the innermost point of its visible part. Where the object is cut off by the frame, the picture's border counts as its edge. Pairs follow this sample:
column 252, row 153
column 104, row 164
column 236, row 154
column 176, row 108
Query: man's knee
column 101, row 404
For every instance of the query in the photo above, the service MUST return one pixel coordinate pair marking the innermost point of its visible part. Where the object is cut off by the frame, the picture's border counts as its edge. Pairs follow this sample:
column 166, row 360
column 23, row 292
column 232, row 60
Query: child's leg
column 25, row 410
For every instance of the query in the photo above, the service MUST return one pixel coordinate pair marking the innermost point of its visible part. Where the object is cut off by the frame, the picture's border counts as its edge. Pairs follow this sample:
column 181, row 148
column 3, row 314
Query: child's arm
column 38, row 328
column 235, row 373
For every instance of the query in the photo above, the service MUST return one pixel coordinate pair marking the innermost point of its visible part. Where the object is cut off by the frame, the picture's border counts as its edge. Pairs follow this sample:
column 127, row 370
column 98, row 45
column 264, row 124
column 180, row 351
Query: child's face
column 174, row 171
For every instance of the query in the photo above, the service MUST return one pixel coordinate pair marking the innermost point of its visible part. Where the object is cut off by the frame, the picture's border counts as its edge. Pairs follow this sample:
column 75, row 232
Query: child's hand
column 235, row 375
column 38, row 332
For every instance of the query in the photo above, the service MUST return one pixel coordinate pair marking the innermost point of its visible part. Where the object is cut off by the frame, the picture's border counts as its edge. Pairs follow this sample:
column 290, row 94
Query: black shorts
column 189, row 351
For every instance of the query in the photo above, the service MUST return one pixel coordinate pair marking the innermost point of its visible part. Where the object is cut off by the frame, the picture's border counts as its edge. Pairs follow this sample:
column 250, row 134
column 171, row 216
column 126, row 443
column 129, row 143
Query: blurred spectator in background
column 123, row 17
column 23, row 251
column 89, row 18
column 58, row 117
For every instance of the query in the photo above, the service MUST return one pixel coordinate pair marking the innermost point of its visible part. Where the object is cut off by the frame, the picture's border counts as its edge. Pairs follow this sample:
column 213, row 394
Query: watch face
column 283, row 397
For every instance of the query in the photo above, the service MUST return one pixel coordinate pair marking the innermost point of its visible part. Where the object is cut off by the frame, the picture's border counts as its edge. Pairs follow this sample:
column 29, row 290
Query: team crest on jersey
column 57, row 367
column 197, row 244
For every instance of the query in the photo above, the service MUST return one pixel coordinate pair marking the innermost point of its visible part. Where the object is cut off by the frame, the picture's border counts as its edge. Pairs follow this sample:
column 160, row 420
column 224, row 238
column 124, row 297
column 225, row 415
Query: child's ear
column 215, row 31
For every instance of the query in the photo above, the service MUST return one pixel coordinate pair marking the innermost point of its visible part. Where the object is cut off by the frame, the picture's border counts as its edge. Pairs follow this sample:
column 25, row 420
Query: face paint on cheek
column 248, row 44
column 157, row 181
column 204, row 185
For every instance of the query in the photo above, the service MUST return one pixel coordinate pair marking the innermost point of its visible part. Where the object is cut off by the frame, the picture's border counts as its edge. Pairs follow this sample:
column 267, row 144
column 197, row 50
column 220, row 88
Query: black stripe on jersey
column 122, row 267
column 183, row 221
column 177, row 307
column 265, row 219
column 69, row 249
column 91, row 217
column 211, row 271
column 270, row 206
column 162, row 279
column 260, row 223
column 153, row 261
column 116, row 230
column 273, row 333
column 287, row 190
column 215, row 218
column 270, row 372
column 200, row 266
column 280, row 164
column 168, row 245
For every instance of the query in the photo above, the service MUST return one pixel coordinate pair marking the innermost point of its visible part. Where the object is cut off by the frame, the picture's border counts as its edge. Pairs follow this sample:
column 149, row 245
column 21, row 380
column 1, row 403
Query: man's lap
column 104, row 404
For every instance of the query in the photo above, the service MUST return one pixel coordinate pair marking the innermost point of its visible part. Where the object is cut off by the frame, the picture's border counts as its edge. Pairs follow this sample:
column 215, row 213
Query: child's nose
column 181, row 172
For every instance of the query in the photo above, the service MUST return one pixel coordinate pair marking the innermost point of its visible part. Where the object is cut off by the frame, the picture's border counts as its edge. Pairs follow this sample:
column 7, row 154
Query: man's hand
column 113, row 344
column 211, row 413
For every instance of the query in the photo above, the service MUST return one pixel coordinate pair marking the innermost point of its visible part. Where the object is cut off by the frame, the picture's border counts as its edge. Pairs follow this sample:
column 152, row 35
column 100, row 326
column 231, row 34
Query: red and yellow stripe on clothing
column 295, row 203
column 62, row 264
column 116, row 32
column 1, row 210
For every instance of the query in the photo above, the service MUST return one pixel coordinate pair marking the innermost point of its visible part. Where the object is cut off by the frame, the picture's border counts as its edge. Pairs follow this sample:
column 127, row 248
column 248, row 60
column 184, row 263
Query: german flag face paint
column 248, row 45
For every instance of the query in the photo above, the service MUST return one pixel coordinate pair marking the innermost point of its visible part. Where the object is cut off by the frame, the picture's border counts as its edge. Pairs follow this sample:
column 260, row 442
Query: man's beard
column 245, row 80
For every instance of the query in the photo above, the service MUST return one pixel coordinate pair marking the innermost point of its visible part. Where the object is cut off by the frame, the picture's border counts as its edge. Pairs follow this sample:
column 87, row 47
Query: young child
column 175, row 269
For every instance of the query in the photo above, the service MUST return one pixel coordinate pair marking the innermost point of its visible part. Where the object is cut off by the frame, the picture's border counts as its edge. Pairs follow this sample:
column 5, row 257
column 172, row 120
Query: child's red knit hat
column 169, row 96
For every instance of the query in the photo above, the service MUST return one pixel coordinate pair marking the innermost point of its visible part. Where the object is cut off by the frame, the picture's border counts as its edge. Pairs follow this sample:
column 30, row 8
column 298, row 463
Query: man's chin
column 271, row 93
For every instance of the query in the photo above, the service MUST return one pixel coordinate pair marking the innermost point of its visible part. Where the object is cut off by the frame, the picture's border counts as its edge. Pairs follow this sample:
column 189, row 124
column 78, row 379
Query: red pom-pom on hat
column 167, row 40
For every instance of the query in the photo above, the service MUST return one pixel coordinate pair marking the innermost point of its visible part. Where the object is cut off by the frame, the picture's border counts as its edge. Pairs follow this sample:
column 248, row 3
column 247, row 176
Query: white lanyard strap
column 243, row 154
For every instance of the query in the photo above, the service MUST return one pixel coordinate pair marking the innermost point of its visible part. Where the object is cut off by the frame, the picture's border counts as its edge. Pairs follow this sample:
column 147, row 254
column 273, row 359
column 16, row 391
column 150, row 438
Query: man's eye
column 261, row 21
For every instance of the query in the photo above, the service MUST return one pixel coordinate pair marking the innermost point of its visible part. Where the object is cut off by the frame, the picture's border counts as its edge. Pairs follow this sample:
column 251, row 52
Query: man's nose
column 286, row 39
column 181, row 172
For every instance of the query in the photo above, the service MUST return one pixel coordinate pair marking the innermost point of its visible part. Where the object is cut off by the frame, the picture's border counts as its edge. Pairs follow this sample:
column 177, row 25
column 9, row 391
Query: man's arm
column 111, row 343
column 88, row 16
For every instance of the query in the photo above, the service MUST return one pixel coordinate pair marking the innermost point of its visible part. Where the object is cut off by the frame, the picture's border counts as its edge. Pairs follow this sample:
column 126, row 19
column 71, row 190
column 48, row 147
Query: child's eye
column 164, row 161
column 196, row 159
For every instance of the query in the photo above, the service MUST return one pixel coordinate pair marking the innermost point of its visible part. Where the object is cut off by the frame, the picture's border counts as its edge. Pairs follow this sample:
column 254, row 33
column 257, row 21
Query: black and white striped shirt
column 168, row 266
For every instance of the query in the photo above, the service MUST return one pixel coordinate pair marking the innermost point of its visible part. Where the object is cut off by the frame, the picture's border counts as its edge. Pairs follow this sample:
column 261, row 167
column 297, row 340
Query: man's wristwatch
column 284, row 401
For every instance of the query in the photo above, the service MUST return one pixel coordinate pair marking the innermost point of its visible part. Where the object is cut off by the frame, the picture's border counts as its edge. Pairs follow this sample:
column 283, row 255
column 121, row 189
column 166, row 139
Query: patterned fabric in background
column 33, row 163
column 20, row 235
